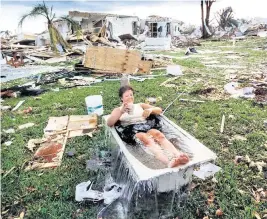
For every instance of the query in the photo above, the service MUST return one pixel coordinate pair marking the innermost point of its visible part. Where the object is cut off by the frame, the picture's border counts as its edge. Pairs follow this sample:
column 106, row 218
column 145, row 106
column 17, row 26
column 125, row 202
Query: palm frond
column 38, row 10
column 71, row 22
column 22, row 19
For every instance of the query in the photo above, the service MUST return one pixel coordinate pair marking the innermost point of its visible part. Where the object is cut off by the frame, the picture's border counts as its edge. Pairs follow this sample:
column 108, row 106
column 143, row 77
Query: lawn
column 236, row 190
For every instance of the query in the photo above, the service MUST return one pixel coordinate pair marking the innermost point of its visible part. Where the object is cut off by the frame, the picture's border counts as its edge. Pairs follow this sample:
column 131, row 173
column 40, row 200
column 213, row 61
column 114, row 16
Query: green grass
column 51, row 193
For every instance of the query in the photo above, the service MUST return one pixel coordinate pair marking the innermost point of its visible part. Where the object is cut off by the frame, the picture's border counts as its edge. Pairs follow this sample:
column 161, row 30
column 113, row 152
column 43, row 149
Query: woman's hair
column 123, row 89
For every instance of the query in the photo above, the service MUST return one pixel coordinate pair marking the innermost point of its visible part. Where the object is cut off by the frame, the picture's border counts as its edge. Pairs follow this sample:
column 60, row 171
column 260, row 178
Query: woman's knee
column 156, row 134
column 144, row 138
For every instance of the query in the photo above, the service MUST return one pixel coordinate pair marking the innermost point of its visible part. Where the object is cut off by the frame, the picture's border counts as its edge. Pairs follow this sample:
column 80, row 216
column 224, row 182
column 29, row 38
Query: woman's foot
column 183, row 158
column 174, row 162
column 180, row 160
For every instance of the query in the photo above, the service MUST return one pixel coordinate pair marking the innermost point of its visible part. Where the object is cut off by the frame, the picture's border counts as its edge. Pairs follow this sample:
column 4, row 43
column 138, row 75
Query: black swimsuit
column 127, row 133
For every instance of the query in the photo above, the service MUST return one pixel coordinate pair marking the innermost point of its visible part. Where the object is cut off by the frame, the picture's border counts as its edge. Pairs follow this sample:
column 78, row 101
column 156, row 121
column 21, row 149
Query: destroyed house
column 115, row 25
column 158, row 31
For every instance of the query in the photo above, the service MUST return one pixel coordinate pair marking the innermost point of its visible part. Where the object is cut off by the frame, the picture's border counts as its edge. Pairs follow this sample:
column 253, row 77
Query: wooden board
column 82, row 122
column 56, row 124
column 113, row 60
column 144, row 67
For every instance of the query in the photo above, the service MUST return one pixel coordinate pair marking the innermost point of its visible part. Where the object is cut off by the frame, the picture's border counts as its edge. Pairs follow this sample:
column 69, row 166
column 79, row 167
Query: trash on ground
column 8, row 143
column 27, row 125
column 84, row 192
column 194, row 101
column 49, row 154
column 4, row 108
column 32, row 143
column 236, row 92
column 56, row 125
column 206, row 170
column 174, row 70
column 18, row 105
column 222, row 124
column 28, row 110
column 9, row 131
column 58, row 130
column 153, row 100
column 239, row 137
column 71, row 152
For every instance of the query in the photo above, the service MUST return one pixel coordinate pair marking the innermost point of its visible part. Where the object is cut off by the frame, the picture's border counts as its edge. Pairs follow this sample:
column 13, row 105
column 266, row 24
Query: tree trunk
column 207, row 19
column 204, row 32
column 205, row 23
column 56, row 38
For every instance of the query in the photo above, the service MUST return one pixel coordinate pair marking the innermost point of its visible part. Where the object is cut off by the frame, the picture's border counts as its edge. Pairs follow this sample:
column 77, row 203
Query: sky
column 184, row 10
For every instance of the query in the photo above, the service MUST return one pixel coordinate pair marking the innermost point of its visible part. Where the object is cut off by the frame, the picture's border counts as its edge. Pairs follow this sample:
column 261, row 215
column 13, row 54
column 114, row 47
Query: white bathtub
column 165, row 179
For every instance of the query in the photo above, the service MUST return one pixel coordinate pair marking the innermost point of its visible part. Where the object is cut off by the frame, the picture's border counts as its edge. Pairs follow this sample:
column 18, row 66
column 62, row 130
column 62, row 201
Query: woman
column 140, row 124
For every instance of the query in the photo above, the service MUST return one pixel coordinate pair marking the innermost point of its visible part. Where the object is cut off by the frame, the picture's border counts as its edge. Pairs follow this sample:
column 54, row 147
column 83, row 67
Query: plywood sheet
column 82, row 122
column 112, row 59
column 144, row 67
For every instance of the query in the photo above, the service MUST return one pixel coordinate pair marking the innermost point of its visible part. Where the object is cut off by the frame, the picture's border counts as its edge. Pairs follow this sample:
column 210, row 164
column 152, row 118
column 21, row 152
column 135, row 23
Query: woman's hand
column 124, row 108
column 147, row 112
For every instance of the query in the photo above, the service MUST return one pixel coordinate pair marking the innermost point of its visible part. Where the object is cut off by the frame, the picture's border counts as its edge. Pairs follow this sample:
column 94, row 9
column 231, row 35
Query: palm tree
column 55, row 36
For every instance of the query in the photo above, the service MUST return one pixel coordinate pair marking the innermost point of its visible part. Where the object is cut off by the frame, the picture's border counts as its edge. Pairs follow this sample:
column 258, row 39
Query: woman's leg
column 167, row 145
column 157, row 150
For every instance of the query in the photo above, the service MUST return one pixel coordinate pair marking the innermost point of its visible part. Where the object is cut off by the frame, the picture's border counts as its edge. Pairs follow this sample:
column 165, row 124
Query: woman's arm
column 114, row 116
column 154, row 110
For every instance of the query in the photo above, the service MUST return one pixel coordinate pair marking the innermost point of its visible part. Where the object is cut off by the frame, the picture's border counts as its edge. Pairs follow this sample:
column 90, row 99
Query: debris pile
column 184, row 41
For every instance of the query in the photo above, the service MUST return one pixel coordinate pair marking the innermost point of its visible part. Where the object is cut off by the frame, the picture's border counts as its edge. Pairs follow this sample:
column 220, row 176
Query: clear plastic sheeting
column 206, row 170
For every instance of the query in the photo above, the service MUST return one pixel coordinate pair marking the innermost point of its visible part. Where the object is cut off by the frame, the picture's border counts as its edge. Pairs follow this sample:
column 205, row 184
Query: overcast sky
column 185, row 10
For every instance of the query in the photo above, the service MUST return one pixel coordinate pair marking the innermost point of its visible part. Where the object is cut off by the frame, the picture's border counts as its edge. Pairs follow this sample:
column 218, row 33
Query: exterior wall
column 163, row 26
column 63, row 28
column 123, row 25
column 24, row 36
column 86, row 24
column 174, row 26
column 157, row 43
column 175, row 29
column 42, row 39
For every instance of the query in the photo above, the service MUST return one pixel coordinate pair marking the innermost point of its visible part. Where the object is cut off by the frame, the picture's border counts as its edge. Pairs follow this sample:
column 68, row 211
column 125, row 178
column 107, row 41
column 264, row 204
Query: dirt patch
column 261, row 91
column 204, row 91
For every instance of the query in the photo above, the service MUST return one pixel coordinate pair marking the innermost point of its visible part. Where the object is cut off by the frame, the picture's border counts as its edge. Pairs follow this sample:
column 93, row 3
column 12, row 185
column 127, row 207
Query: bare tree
column 205, row 18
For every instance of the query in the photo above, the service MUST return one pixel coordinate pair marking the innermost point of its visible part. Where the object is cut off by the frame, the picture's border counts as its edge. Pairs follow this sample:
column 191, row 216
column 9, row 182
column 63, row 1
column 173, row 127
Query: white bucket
column 94, row 104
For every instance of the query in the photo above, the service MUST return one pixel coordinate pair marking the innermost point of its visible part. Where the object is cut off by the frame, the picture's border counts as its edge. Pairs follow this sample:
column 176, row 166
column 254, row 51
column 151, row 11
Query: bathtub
column 164, row 179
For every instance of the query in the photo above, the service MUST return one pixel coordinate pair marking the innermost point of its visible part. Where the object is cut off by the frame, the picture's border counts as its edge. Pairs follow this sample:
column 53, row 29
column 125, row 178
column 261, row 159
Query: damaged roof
column 157, row 18
column 95, row 15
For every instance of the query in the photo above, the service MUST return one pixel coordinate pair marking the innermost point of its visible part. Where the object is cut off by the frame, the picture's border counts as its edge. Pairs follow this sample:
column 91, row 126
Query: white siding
column 122, row 25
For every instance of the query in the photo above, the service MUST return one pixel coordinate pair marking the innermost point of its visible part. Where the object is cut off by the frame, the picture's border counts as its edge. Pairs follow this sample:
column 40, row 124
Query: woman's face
column 128, row 97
